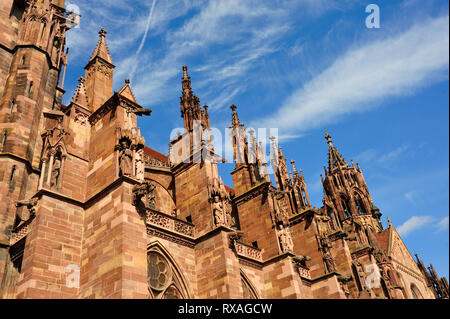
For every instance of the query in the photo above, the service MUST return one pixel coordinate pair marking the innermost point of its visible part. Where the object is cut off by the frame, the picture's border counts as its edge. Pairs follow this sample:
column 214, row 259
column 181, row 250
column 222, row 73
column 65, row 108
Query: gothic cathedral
column 88, row 210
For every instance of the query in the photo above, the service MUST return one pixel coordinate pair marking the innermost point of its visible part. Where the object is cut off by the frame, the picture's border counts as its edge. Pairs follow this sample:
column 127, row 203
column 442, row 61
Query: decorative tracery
column 164, row 279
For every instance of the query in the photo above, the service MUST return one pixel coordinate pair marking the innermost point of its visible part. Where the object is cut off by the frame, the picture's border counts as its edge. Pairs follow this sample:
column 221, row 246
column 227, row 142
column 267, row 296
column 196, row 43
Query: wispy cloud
column 414, row 223
column 417, row 222
column 358, row 79
column 393, row 154
column 443, row 224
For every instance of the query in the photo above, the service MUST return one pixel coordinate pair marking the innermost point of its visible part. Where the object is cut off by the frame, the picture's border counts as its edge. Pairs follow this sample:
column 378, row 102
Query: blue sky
column 302, row 67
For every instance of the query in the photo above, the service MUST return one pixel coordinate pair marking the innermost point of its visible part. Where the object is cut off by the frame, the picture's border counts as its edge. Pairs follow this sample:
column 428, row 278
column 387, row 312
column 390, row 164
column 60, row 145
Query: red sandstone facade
column 87, row 210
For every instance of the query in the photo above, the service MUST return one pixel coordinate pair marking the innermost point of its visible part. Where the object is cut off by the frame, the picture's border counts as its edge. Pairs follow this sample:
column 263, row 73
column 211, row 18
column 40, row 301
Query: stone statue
column 218, row 211
column 125, row 159
column 56, row 171
column 285, row 239
column 140, row 165
column 327, row 257
column 229, row 219
column 329, row 261
column 322, row 224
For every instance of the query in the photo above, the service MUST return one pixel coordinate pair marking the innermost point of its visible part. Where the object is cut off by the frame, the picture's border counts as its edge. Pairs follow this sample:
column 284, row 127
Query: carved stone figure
column 285, row 238
column 229, row 219
column 125, row 159
column 139, row 163
column 322, row 224
column 218, row 211
column 56, row 171
column 142, row 190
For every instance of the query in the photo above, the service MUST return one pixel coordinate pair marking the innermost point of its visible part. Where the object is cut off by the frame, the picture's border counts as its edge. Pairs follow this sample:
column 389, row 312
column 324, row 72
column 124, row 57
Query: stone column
column 50, row 167
column 41, row 178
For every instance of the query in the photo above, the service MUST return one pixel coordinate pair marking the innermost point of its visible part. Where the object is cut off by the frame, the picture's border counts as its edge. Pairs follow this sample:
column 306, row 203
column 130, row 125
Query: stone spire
column 234, row 117
column 189, row 103
column 101, row 50
column 335, row 160
column 99, row 74
column 79, row 96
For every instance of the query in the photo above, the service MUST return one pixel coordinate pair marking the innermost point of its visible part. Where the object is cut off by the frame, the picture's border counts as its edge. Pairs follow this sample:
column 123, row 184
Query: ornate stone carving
column 81, row 118
column 284, row 236
column 169, row 223
column 24, row 215
column 141, row 190
column 300, row 264
column 325, row 248
column 322, row 221
column 139, row 164
column 242, row 249
column 125, row 158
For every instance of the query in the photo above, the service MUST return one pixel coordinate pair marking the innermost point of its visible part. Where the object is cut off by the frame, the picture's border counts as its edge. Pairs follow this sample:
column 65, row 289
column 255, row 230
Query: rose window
column 159, row 274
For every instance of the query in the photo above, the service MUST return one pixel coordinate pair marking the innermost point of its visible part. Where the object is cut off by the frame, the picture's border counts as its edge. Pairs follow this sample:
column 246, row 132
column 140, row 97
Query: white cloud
column 363, row 76
column 393, row 154
column 411, row 196
column 414, row 223
column 442, row 225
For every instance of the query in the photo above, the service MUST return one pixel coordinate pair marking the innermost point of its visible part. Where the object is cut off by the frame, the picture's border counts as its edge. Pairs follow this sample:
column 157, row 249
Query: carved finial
column 185, row 74
column 102, row 33
column 127, row 81
column 328, row 138
column 389, row 221
column 235, row 118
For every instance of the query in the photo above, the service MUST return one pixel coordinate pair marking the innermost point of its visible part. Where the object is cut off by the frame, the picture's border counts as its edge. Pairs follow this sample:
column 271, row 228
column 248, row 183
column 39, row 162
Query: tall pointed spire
column 234, row 117
column 99, row 74
column 189, row 103
column 101, row 50
column 335, row 160
column 79, row 96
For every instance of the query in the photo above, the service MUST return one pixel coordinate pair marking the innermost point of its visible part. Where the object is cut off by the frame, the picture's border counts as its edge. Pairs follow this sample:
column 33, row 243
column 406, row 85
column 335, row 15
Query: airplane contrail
column 144, row 37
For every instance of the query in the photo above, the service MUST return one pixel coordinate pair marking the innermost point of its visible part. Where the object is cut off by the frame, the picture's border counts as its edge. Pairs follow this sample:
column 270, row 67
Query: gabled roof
column 155, row 154
column 127, row 92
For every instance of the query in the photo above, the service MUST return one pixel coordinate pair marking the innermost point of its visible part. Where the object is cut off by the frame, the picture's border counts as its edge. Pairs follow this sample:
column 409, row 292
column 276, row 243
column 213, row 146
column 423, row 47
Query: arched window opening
column 345, row 208
column 357, row 279
column 305, row 199
column 172, row 293
column 360, row 205
column 30, row 89
column 12, row 182
column 248, row 290
column 4, row 137
column 13, row 103
column 415, row 292
column 163, row 279
column 44, row 27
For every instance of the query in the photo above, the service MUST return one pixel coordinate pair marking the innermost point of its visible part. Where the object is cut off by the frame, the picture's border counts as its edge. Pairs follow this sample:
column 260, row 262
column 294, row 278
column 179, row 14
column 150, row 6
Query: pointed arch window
column 345, row 207
column 248, row 290
column 4, row 137
column 164, row 280
column 415, row 292
column 360, row 204
column 305, row 198
column 13, row 104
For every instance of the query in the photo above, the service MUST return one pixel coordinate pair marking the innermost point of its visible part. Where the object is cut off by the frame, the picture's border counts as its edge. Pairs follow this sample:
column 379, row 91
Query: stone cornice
column 253, row 192
column 21, row 159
